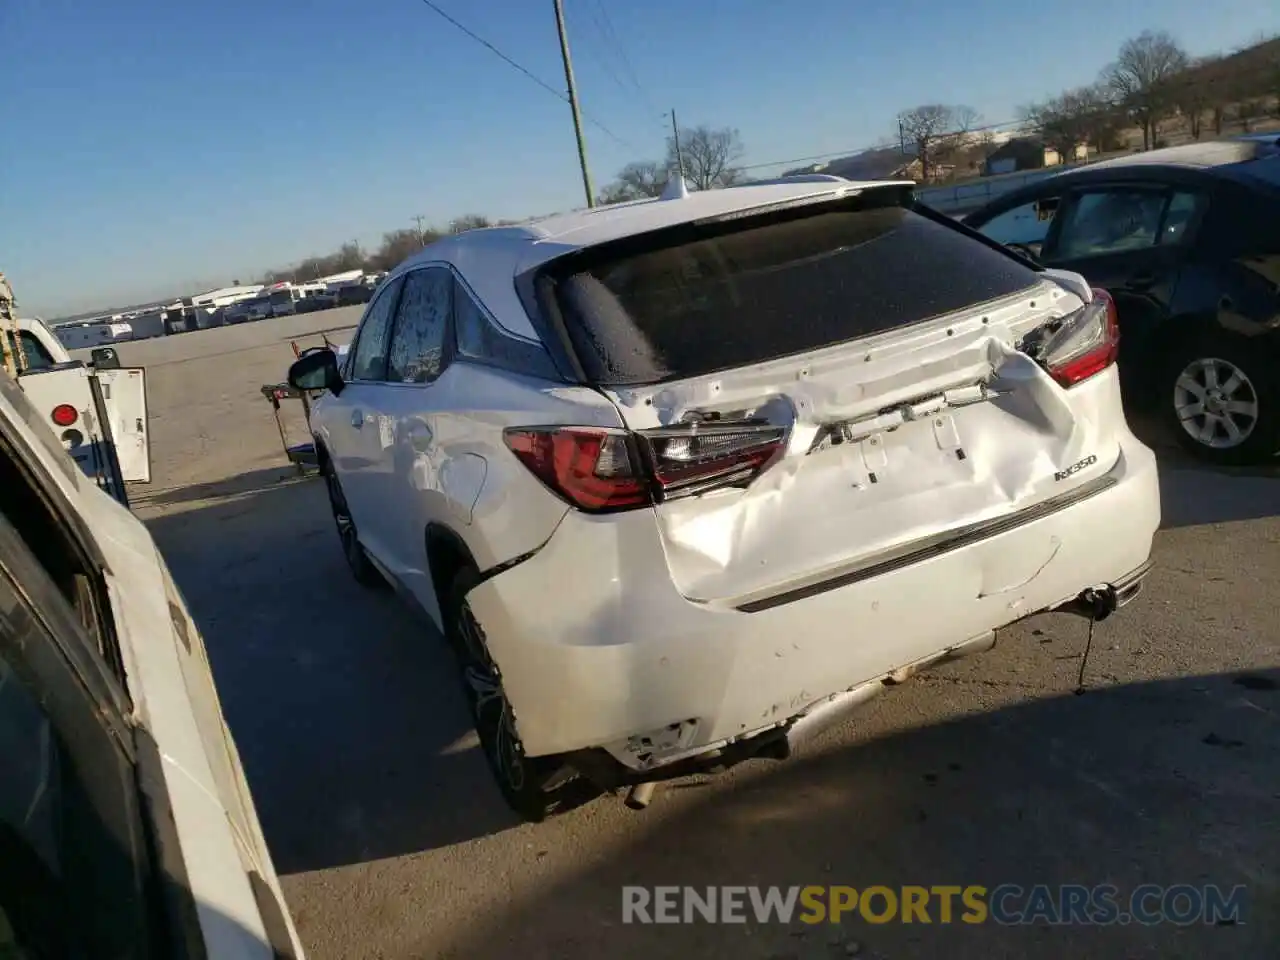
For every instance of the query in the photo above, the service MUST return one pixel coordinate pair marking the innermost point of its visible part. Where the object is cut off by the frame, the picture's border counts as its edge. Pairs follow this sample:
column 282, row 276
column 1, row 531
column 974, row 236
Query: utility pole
column 421, row 239
column 573, row 103
column 675, row 135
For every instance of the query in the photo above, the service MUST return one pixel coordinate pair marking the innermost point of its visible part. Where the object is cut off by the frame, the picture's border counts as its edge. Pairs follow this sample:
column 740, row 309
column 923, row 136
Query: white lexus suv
column 682, row 480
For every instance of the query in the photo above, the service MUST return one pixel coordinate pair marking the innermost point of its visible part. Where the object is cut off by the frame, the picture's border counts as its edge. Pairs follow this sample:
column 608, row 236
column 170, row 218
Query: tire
column 362, row 569
column 533, row 787
column 1221, row 397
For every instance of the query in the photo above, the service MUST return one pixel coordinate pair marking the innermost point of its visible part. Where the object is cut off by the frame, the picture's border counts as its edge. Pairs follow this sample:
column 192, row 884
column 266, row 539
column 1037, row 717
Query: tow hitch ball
column 1094, row 603
column 1100, row 601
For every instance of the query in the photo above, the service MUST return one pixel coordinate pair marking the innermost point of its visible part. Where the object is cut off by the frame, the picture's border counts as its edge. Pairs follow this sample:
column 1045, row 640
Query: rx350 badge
column 1076, row 467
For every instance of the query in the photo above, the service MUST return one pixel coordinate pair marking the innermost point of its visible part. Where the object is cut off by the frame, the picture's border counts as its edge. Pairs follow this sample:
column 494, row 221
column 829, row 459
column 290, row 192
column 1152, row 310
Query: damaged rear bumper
column 598, row 649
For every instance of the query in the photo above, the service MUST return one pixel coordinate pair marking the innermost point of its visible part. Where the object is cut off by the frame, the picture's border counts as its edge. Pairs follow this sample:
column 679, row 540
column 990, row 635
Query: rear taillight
column 64, row 415
column 692, row 458
column 602, row 470
column 1085, row 343
column 590, row 468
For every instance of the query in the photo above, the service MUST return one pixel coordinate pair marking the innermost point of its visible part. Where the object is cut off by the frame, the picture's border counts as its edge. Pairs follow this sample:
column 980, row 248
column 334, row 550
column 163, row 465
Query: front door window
column 1026, row 225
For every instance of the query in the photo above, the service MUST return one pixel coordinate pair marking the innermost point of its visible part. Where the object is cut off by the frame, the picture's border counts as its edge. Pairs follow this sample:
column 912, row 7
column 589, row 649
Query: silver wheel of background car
column 494, row 720
column 1216, row 403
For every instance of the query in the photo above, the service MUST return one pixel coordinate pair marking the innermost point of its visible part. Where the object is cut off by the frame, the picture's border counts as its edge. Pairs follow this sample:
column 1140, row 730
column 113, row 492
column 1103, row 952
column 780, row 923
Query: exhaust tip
column 640, row 796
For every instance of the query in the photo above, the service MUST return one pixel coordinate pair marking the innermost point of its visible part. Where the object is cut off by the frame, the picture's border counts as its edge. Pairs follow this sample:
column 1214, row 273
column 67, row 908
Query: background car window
column 1177, row 218
column 37, row 356
column 1111, row 221
column 369, row 359
column 1026, row 224
column 417, row 345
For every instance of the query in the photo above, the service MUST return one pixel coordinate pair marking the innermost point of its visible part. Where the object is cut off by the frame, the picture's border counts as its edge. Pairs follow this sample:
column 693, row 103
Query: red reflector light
column 64, row 415
column 1086, row 344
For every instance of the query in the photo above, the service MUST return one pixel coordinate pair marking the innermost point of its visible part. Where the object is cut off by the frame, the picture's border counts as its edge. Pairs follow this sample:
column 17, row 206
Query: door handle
column 357, row 418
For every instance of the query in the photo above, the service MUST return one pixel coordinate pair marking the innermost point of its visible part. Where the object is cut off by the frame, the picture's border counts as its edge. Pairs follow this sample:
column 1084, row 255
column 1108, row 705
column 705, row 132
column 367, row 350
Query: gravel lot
column 392, row 842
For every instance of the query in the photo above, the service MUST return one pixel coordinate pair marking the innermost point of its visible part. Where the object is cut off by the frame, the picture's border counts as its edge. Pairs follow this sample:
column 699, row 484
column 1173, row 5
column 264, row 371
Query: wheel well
column 1182, row 336
column 447, row 555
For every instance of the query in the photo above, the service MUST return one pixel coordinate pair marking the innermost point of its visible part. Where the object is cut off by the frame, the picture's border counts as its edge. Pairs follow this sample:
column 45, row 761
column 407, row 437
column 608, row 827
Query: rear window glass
column 773, row 290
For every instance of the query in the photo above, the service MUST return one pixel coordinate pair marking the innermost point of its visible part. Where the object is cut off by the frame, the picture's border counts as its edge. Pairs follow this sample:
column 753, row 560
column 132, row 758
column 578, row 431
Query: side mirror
column 316, row 371
column 105, row 358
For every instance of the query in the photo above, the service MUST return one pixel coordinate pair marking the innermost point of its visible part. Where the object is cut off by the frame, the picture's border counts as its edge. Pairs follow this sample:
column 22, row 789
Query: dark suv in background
column 1187, row 240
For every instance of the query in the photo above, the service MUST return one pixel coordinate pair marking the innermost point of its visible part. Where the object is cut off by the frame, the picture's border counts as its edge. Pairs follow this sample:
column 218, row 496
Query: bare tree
column 469, row 221
column 398, row 245
column 934, row 131
column 644, row 178
column 709, row 156
column 1193, row 94
column 1058, row 121
column 1140, row 77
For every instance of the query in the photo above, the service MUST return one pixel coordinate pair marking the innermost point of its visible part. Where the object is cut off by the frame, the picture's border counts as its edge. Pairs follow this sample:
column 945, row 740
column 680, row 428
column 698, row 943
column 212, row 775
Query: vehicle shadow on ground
column 1193, row 492
column 254, row 481
column 345, row 705
column 1165, row 782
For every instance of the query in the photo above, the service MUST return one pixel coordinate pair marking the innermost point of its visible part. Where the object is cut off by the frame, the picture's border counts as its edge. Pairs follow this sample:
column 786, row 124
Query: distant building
column 1028, row 153
column 1020, row 153
column 224, row 295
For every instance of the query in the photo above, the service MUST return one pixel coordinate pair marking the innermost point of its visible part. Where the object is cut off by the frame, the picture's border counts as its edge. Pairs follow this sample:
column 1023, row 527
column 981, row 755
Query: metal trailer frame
column 301, row 455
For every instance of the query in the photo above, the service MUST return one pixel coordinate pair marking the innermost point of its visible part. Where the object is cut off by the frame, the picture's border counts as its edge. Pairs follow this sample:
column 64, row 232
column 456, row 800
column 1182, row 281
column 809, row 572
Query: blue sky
column 154, row 147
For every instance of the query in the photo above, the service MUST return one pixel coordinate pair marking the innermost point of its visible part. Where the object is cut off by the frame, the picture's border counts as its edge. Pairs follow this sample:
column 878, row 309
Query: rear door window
column 417, row 346
column 1179, row 217
column 1110, row 221
column 368, row 359
column 729, row 296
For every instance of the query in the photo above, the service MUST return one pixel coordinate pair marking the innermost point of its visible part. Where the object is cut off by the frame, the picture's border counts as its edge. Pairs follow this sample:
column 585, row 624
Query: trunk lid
column 887, row 345
column 892, row 443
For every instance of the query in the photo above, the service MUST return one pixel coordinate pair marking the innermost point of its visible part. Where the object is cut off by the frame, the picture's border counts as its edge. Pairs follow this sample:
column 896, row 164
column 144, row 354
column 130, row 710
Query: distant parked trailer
column 79, row 336
column 145, row 327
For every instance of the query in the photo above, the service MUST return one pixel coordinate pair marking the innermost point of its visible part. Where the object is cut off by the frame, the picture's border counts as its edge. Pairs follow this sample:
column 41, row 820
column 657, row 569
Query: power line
column 612, row 37
column 558, row 94
column 602, row 60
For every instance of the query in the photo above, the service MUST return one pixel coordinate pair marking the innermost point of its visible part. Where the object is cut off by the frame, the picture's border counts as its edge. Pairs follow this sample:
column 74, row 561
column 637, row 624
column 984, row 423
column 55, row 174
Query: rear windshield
column 775, row 289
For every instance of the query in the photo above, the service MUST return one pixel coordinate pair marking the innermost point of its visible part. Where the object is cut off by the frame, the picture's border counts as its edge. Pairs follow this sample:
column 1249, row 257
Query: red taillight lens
column 64, row 415
column 1087, row 342
column 589, row 467
column 597, row 470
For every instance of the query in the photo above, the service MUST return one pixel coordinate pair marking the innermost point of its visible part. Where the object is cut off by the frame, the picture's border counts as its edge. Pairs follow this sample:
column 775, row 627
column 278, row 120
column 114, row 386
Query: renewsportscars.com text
column 1007, row 904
